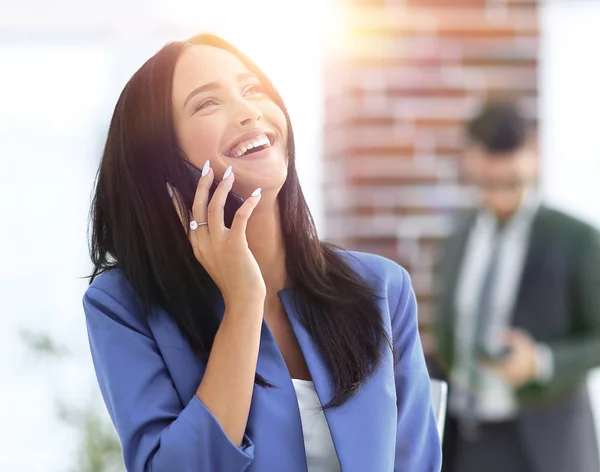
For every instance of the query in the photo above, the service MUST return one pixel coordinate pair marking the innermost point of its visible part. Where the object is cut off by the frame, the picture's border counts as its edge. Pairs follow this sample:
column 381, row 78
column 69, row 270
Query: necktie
column 486, row 298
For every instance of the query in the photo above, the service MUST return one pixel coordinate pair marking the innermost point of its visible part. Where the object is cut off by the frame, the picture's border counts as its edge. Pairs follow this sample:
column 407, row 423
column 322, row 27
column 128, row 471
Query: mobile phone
column 232, row 203
column 495, row 356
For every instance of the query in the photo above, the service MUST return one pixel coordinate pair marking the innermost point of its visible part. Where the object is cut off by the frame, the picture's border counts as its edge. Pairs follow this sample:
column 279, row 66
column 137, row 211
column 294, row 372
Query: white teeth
column 260, row 141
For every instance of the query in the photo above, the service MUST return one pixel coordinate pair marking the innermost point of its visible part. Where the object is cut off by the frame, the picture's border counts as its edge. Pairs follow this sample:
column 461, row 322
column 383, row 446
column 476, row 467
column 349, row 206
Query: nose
column 249, row 113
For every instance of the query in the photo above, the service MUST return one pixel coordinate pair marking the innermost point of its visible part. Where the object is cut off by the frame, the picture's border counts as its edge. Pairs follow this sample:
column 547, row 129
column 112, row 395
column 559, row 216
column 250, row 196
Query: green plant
column 100, row 450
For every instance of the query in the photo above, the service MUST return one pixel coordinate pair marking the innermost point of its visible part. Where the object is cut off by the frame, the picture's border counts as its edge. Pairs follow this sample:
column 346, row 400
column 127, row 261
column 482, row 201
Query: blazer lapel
column 451, row 259
column 367, row 419
column 183, row 365
column 537, row 254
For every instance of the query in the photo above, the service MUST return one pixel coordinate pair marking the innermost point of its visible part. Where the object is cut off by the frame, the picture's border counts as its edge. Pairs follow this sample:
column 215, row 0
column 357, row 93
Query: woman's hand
column 223, row 252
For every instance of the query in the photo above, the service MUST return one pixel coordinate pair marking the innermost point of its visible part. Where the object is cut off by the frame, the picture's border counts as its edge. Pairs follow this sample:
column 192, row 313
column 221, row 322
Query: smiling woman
column 213, row 344
column 225, row 117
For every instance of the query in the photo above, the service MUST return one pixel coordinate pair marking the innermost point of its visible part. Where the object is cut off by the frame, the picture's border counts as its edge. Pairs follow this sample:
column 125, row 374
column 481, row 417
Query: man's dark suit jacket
column 558, row 303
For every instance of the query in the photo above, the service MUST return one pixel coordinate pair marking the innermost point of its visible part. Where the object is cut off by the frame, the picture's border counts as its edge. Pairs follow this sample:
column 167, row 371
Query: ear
column 533, row 155
column 471, row 161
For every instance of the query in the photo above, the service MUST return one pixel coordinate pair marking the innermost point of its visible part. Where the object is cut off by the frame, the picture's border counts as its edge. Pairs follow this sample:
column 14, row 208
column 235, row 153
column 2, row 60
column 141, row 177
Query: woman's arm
column 226, row 388
column 417, row 440
column 158, row 433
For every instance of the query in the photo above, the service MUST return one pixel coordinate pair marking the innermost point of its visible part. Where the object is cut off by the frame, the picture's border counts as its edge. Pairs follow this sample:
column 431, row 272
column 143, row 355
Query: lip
column 252, row 134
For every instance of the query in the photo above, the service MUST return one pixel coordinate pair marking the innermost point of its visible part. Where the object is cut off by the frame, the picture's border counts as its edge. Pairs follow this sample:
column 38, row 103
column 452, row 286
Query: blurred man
column 518, row 324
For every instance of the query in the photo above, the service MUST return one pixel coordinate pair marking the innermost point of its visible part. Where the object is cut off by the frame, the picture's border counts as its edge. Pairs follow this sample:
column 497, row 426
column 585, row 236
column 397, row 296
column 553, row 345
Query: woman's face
column 221, row 114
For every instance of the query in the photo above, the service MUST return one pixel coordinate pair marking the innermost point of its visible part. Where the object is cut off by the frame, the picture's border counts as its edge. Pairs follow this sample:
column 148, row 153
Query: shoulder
column 387, row 278
column 374, row 267
column 111, row 284
column 578, row 230
column 392, row 286
column 563, row 218
column 111, row 295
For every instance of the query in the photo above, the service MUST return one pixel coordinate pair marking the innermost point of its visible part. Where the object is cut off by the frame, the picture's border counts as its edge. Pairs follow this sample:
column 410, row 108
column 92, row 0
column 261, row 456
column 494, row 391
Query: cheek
column 200, row 141
column 277, row 118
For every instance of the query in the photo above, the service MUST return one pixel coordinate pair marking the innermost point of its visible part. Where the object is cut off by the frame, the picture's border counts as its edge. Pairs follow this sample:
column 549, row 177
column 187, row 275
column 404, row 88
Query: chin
column 267, row 179
column 247, row 186
column 504, row 212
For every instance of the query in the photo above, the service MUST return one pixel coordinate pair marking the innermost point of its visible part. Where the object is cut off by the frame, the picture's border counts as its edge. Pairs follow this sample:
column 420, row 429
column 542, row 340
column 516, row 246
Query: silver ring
column 194, row 224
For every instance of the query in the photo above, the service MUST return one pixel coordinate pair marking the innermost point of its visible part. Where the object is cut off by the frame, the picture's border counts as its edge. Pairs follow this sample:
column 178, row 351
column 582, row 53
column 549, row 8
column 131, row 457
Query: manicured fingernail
column 227, row 173
column 256, row 193
column 206, row 168
column 170, row 190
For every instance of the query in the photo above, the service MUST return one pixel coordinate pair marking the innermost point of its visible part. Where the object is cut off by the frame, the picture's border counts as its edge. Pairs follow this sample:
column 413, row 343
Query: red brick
column 458, row 21
column 433, row 50
column 396, row 99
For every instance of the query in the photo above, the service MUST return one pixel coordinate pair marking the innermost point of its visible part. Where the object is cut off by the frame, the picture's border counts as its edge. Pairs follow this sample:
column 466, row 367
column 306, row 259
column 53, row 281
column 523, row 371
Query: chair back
column 439, row 401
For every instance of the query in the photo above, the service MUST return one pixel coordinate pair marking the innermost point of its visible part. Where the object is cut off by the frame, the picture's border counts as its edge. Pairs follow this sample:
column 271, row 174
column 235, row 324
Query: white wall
column 62, row 72
column 570, row 104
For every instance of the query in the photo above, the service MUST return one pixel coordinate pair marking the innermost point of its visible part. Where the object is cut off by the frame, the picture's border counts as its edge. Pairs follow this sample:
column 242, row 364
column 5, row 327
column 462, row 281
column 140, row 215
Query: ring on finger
column 194, row 224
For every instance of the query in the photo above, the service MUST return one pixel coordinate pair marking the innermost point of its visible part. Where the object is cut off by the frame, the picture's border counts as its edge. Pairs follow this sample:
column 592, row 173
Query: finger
column 240, row 220
column 181, row 210
column 216, row 212
column 201, row 197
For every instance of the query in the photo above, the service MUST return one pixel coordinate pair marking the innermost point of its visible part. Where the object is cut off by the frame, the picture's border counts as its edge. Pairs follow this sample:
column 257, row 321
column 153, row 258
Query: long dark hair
column 134, row 228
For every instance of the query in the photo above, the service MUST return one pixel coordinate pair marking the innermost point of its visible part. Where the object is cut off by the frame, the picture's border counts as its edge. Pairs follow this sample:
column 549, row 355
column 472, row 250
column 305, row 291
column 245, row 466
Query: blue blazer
column 148, row 376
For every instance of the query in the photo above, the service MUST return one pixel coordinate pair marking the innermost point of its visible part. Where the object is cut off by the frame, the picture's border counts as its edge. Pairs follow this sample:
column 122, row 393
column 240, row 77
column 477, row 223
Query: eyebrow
column 216, row 85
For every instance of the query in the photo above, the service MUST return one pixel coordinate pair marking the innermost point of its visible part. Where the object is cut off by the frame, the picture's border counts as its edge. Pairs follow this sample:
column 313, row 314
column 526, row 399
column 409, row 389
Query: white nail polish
column 169, row 190
column 227, row 173
column 256, row 193
column 206, row 168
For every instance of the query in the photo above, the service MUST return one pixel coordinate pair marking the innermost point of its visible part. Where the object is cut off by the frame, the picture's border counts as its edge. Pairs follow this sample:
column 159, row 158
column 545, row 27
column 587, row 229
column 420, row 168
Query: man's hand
column 520, row 367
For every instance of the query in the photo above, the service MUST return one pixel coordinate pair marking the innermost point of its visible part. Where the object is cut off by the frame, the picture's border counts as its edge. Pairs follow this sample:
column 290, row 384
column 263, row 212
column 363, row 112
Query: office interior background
column 377, row 91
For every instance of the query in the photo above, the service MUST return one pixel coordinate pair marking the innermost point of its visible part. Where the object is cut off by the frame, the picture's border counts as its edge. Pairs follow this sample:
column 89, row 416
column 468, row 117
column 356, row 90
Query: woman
column 255, row 348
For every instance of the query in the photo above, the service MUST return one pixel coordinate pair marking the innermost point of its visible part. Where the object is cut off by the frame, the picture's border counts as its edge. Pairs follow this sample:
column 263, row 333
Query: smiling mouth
column 255, row 149
column 250, row 146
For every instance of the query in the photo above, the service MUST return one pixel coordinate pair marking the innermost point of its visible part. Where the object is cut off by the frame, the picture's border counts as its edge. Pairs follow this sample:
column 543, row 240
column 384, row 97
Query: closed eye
column 205, row 104
column 254, row 89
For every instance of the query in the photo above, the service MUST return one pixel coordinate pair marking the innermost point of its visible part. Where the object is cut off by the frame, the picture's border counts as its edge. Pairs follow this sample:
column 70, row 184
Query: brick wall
column 396, row 95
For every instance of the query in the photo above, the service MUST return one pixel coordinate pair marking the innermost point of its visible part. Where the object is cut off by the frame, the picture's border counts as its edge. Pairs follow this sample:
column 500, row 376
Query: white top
column 320, row 452
column 495, row 399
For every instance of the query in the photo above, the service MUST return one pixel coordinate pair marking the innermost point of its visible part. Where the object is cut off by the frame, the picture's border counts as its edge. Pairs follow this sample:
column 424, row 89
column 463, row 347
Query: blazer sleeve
column 576, row 355
column 158, row 432
column 417, row 440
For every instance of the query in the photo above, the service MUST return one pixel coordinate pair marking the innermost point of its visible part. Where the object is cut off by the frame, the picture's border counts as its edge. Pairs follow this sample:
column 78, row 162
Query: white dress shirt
column 318, row 444
column 495, row 399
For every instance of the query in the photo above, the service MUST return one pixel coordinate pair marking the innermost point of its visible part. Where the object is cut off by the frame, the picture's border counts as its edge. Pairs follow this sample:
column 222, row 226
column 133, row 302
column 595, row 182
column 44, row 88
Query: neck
column 265, row 240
